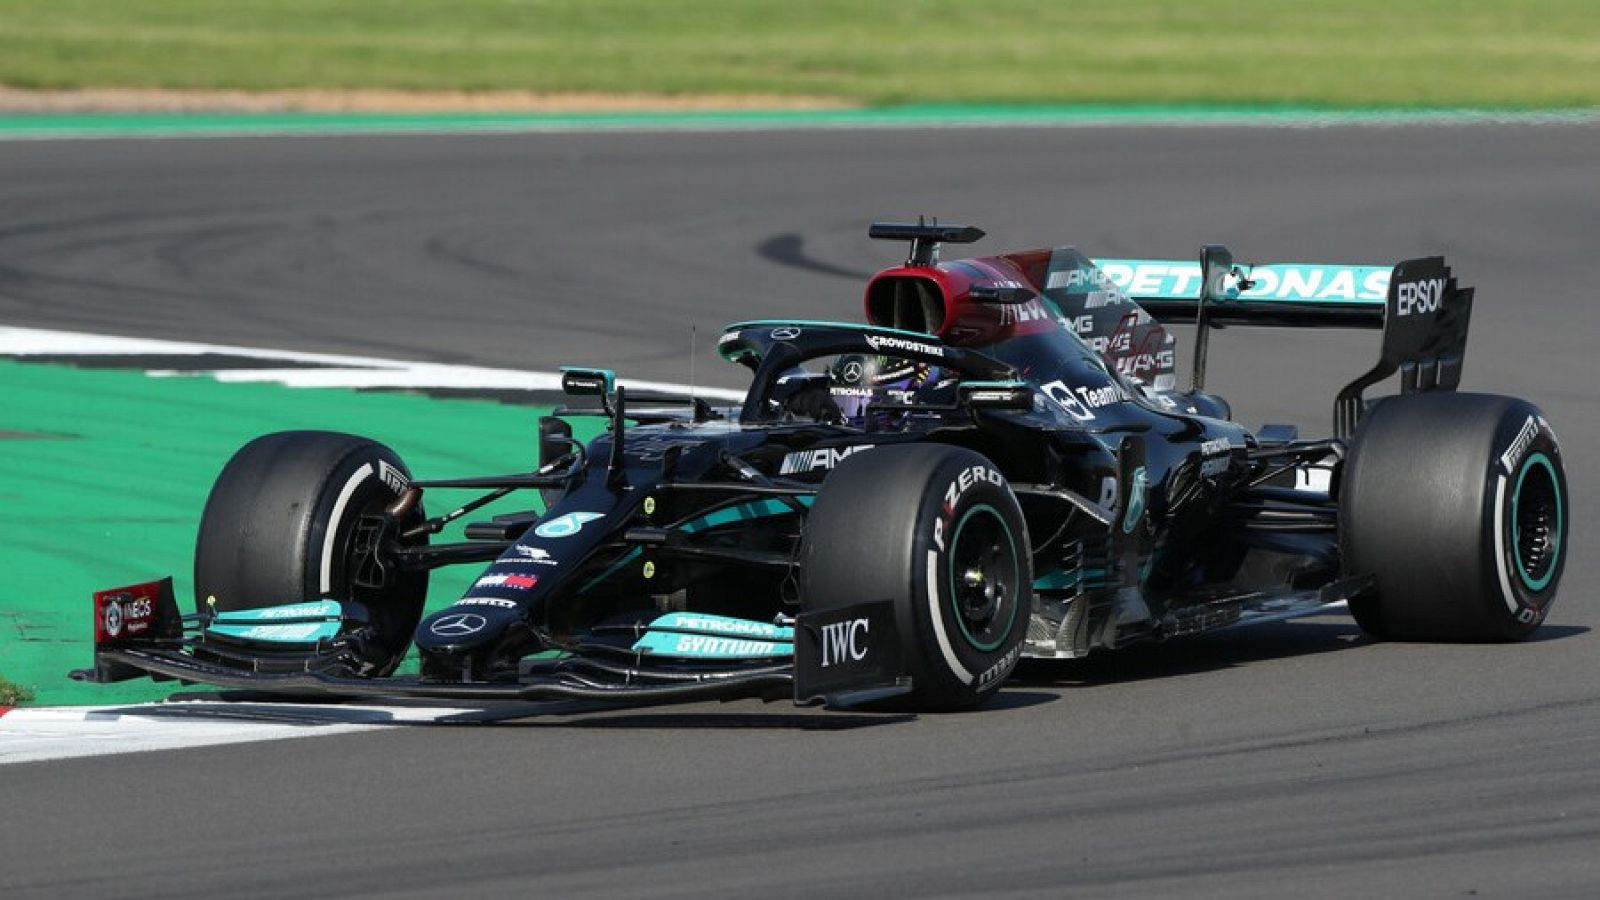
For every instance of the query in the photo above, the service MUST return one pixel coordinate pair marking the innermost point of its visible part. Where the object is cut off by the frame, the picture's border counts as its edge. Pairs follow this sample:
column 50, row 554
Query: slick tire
column 937, row 530
column 280, row 527
column 1457, row 505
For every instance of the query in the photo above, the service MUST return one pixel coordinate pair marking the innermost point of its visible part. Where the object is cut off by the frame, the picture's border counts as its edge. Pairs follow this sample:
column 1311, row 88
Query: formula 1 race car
column 999, row 465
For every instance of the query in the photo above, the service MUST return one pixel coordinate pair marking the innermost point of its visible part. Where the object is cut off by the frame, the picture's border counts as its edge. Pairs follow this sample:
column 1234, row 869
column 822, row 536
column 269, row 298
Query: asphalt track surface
column 1295, row 758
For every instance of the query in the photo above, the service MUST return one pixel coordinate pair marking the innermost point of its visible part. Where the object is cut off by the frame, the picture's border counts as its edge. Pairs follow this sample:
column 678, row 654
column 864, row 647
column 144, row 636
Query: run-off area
column 104, row 474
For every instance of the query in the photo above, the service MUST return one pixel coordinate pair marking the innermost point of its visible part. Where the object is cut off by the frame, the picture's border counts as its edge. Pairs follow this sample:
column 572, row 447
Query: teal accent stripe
column 611, row 570
column 722, row 626
column 755, row 509
column 296, row 623
column 1059, row 580
column 700, row 646
column 314, row 610
column 166, row 125
column 1096, row 577
column 1539, row 584
column 287, row 632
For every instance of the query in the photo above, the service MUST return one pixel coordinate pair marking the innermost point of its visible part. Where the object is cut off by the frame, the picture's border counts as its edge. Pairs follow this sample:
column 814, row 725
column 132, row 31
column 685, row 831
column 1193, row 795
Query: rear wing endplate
column 1424, row 314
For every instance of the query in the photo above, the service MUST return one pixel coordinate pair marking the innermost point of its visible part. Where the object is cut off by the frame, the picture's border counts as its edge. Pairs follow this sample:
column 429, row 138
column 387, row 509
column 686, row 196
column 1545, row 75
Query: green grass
column 1489, row 53
column 13, row 695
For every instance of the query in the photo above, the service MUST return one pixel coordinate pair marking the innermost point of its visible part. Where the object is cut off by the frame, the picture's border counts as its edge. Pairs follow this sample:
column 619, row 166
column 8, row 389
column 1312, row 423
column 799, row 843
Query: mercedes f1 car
column 1000, row 463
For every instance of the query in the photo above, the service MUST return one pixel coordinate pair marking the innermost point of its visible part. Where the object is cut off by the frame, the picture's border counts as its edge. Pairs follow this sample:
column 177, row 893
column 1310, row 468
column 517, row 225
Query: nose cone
column 464, row 627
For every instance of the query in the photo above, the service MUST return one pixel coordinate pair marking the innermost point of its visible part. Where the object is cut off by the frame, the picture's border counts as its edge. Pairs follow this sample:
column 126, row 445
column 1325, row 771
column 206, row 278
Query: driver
column 856, row 381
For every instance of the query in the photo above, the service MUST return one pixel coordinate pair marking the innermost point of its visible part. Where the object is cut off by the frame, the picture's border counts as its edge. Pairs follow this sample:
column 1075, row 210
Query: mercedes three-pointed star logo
column 458, row 625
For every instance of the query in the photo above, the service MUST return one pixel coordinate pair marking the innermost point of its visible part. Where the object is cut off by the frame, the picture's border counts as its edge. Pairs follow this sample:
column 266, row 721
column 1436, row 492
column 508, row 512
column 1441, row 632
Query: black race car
column 1000, row 465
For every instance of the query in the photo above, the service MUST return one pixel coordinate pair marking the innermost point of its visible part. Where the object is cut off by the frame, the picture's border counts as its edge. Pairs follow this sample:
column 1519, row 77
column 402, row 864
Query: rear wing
column 1423, row 313
column 1294, row 294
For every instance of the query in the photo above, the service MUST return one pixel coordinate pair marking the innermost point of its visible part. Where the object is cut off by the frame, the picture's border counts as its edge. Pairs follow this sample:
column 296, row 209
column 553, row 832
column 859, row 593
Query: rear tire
column 1457, row 504
column 280, row 528
column 937, row 530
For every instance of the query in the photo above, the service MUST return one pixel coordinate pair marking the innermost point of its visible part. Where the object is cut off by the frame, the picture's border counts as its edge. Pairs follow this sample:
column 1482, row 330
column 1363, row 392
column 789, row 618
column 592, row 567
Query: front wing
column 140, row 633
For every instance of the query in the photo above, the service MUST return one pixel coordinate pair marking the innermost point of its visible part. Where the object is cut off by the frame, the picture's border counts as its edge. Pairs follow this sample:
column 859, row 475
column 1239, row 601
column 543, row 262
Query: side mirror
column 555, row 439
column 997, row 395
column 1007, row 295
column 580, row 382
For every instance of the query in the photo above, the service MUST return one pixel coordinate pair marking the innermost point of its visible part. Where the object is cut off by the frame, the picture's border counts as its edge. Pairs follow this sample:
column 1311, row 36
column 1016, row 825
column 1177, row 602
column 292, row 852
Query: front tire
column 281, row 527
column 937, row 530
column 1457, row 505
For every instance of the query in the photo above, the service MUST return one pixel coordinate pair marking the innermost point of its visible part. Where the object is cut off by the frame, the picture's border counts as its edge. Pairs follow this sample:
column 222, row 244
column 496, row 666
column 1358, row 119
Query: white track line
column 339, row 371
column 36, row 734
column 49, row 733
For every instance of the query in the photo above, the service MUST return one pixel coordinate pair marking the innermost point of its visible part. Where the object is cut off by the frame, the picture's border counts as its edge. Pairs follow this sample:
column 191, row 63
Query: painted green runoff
column 1344, row 53
column 198, row 125
column 103, row 475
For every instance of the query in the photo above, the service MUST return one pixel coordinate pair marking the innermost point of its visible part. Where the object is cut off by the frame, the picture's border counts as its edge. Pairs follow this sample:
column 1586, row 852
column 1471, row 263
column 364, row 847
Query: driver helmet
column 855, row 381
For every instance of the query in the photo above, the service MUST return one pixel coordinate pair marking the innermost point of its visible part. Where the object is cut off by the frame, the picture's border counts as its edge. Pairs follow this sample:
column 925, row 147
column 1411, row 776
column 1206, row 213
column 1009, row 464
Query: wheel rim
column 1536, row 522
column 984, row 578
column 392, row 608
